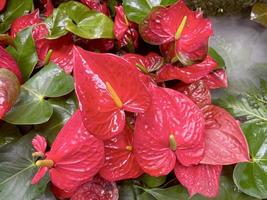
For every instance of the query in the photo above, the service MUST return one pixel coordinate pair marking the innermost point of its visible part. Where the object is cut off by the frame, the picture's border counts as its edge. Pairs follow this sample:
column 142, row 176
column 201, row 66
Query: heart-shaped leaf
column 31, row 107
column 251, row 178
column 8, row 133
column 24, row 52
column 14, row 9
column 137, row 10
column 16, row 171
column 259, row 13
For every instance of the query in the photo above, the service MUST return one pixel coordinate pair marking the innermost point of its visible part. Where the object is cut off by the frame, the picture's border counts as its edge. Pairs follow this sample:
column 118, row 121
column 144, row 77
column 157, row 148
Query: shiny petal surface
column 77, row 155
column 97, row 189
column 2, row 4
column 100, row 113
column 197, row 92
column 169, row 113
column 151, row 62
column 120, row 23
column 62, row 194
column 216, row 79
column 187, row 74
column 48, row 7
column 97, row 5
column 201, row 179
column 8, row 62
column 225, row 141
column 39, row 143
column 120, row 161
column 39, row 175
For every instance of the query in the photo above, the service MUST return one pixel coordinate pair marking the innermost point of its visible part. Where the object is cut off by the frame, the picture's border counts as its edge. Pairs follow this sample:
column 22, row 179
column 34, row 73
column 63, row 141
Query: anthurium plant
column 109, row 100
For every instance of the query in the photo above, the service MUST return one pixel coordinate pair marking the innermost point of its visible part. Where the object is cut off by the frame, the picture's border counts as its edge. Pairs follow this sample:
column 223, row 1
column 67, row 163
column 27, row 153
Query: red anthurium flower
column 61, row 194
column 2, row 4
column 99, row 189
column 39, row 144
column 112, row 86
column 120, row 162
column 98, row 5
column 202, row 179
column 187, row 32
column 187, row 74
column 149, row 63
column 125, row 32
column 222, row 130
column 170, row 131
column 198, row 92
column 216, row 79
column 75, row 156
column 48, row 7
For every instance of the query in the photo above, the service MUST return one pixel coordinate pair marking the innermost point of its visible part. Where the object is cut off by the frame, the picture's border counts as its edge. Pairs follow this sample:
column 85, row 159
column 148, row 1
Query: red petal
column 39, row 143
column 39, row 175
column 8, row 62
column 216, row 79
column 225, row 141
column 100, row 114
column 151, row 62
column 77, row 155
column 169, row 113
column 97, row 189
column 120, row 162
column 48, row 7
column 202, row 179
column 187, row 74
column 96, row 5
column 62, row 194
column 197, row 92
column 2, row 4
column 101, row 45
column 120, row 23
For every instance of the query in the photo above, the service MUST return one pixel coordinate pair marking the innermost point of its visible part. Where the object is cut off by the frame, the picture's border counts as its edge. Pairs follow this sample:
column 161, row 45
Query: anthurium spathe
column 106, row 85
column 216, row 79
column 183, row 33
column 2, row 4
column 188, row 74
column 98, row 5
column 170, row 131
column 120, row 161
column 75, row 156
column 48, row 7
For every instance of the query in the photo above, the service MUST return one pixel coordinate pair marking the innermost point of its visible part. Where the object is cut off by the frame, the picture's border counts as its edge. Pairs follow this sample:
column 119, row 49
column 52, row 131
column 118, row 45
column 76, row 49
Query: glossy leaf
column 171, row 129
column 8, row 133
column 222, row 130
column 217, row 57
column 98, row 188
column 18, row 157
column 259, row 13
column 104, row 114
column 14, row 9
column 24, row 52
column 251, row 178
column 120, row 163
column 152, row 181
column 137, row 10
column 31, row 107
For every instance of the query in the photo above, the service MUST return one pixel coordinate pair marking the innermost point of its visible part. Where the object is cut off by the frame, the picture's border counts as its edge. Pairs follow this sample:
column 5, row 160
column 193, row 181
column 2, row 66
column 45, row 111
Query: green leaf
column 137, row 10
column 250, row 107
column 31, row 106
column 259, row 13
column 16, row 171
column 13, row 10
column 216, row 56
column 24, row 52
column 251, row 178
column 152, row 181
column 63, row 108
column 78, row 19
column 127, row 191
column 8, row 133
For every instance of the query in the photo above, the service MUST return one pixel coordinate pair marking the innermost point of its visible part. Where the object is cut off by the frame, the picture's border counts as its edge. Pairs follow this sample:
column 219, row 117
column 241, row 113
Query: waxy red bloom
column 48, row 7
column 170, row 131
column 75, row 156
column 2, row 4
column 182, row 33
column 106, row 85
column 216, row 79
column 124, row 30
column 120, row 161
column 97, row 189
column 100, row 6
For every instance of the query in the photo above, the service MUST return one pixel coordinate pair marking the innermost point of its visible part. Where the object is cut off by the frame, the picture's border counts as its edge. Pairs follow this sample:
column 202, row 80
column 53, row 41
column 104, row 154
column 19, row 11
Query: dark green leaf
column 16, row 171
column 251, row 178
column 127, row 191
column 8, row 133
column 214, row 54
column 137, row 10
column 24, row 52
column 259, row 13
column 13, row 10
column 31, row 107
column 152, row 181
